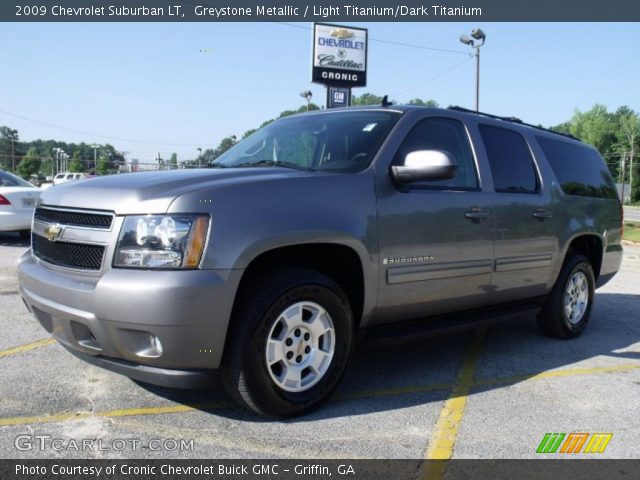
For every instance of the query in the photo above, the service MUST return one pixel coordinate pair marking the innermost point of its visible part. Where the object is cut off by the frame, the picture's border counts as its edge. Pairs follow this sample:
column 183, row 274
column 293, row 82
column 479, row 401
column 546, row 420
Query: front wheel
column 289, row 344
column 568, row 308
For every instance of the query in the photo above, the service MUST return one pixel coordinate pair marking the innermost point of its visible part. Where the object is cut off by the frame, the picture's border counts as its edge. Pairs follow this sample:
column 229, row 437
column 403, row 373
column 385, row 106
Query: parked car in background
column 64, row 177
column 37, row 180
column 17, row 201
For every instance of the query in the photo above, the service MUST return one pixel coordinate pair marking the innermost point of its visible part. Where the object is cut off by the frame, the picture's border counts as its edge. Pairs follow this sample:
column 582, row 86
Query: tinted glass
column 447, row 135
column 332, row 141
column 9, row 180
column 510, row 159
column 579, row 169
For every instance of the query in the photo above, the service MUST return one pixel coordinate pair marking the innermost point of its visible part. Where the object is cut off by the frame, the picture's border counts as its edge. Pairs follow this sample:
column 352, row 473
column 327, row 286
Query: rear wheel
column 289, row 344
column 568, row 308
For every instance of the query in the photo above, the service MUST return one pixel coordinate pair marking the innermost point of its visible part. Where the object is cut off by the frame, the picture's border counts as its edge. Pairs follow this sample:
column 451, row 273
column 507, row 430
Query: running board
column 420, row 329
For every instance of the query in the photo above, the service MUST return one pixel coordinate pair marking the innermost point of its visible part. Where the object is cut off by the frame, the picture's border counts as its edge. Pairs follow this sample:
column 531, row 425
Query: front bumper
column 162, row 327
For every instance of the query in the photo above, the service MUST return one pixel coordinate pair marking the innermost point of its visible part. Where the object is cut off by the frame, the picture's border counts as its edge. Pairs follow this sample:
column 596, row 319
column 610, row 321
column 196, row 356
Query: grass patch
column 632, row 232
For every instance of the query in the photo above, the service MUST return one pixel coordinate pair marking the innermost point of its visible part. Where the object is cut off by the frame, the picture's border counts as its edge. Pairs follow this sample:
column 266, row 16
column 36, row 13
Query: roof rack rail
column 512, row 120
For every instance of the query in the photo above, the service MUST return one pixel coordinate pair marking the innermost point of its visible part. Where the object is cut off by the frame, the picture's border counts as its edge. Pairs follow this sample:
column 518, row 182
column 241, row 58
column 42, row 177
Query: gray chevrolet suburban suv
column 383, row 221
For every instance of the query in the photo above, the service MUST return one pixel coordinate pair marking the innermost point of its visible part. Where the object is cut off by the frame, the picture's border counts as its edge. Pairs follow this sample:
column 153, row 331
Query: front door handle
column 541, row 214
column 477, row 214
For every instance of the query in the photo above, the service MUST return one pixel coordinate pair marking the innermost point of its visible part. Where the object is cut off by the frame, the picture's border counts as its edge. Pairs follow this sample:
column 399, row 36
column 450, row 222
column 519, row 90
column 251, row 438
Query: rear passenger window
column 510, row 159
column 448, row 135
column 579, row 169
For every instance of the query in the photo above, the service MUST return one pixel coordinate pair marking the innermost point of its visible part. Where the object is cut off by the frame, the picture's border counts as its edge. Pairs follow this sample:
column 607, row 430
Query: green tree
column 45, row 161
column 103, row 166
column 173, row 161
column 9, row 148
column 629, row 134
column 366, row 99
column 29, row 164
column 76, row 164
column 424, row 103
column 596, row 127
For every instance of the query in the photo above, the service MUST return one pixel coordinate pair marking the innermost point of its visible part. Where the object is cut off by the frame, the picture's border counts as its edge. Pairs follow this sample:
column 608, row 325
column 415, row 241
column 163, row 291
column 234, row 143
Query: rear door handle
column 541, row 214
column 477, row 214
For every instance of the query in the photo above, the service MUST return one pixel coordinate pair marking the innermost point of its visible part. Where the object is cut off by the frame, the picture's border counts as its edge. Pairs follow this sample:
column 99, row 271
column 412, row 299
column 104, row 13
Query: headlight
column 162, row 241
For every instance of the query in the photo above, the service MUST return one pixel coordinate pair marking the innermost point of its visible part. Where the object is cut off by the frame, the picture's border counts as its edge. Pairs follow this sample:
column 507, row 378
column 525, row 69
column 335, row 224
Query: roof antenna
column 386, row 102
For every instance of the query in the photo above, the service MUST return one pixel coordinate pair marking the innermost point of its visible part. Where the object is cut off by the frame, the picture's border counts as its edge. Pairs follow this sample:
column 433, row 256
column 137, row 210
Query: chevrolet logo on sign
column 53, row 231
column 341, row 33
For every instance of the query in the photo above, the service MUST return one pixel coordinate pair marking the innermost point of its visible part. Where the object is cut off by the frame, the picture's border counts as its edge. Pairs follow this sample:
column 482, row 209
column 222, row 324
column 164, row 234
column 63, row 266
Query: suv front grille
column 77, row 219
column 71, row 255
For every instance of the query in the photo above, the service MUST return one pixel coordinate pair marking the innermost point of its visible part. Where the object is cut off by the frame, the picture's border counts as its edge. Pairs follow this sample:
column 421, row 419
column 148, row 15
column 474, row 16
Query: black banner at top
column 319, row 11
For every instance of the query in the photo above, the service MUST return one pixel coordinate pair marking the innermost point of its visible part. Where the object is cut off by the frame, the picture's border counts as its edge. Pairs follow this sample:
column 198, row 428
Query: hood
column 151, row 192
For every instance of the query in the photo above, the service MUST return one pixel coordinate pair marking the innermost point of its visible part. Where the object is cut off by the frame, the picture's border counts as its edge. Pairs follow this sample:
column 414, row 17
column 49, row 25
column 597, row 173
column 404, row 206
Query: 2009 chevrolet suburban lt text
column 320, row 225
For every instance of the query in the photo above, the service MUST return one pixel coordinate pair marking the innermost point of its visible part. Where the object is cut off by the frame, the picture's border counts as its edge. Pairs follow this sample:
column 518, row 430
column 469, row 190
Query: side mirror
column 425, row 165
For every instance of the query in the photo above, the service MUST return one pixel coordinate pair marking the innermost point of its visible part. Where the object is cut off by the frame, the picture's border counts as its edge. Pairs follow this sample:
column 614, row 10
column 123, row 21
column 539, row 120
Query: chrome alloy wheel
column 300, row 346
column 576, row 297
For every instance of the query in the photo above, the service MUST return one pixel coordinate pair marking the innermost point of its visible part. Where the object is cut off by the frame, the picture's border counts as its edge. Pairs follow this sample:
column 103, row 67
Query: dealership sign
column 339, row 55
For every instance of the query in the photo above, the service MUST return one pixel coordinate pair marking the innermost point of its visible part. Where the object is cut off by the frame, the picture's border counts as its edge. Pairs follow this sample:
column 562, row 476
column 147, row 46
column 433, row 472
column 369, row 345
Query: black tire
column 244, row 370
column 25, row 234
column 553, row 319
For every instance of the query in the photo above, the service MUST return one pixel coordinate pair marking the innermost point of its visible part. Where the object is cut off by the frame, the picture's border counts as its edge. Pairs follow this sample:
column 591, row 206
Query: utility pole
column 631, row 173
column 95, row 158
column 623, row 161
column 307, row 94
column 477, row 39
column 13, row 150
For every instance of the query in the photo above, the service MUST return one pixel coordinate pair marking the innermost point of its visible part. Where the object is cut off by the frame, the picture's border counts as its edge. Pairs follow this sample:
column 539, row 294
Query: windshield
column 336, row 142
column 10, row 180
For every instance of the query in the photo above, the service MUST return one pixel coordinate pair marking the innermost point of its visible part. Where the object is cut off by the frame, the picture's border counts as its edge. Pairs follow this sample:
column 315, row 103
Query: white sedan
column 17, row 201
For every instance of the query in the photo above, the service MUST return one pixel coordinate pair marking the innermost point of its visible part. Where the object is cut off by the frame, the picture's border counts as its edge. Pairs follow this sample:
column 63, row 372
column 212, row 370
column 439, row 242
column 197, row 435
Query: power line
column 391, row 42
column 435, row 77
column 108, row 137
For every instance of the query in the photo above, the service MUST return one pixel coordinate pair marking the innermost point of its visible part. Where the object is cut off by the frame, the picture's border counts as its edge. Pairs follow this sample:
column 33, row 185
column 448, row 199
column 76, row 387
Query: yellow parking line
column 567, row 372
column 27, row 347
column 443, row 438
column 123, row 412
column 452, row 408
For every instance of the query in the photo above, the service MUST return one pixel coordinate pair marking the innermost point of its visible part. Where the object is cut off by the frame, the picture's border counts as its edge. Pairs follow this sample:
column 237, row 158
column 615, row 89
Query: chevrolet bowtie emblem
column 53, row 231
column 341, row 33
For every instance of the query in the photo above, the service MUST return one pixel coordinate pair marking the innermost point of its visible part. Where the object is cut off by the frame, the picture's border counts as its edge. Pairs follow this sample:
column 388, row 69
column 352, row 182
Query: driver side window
column 447, row 135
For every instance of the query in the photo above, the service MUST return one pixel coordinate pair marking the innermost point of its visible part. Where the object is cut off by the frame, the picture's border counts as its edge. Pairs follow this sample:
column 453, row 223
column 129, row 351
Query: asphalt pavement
column 485, row 394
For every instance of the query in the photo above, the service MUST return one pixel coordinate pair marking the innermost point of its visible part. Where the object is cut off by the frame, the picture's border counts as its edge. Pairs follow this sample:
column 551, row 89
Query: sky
column 175, row 87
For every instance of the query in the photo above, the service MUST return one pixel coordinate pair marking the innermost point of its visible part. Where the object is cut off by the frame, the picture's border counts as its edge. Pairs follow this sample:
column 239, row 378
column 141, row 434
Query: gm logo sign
column 338, row 97
column 574, row 443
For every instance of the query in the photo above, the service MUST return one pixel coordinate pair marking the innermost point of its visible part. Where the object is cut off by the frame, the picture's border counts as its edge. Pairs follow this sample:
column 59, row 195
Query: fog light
column 156, row 345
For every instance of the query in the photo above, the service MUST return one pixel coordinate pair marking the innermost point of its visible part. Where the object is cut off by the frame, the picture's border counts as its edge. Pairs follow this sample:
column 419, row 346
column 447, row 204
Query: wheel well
column 340, row 263
column 591, row 247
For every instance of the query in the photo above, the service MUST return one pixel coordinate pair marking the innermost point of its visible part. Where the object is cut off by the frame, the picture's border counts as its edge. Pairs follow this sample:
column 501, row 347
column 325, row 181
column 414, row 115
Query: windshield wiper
column 272, row 163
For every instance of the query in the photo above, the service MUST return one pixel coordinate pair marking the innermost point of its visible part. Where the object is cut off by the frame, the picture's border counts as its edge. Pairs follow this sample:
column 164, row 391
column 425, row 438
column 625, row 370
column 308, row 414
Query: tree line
column 616, row 135
column 40, row 157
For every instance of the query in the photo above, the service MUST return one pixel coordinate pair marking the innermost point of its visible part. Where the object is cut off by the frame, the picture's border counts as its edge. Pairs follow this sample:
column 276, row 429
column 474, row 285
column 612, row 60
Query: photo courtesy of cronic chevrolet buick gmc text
column 386, row 221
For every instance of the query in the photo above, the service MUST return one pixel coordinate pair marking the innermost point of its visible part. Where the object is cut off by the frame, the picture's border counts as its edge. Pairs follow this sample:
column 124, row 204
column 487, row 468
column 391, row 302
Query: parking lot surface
column 491, row 393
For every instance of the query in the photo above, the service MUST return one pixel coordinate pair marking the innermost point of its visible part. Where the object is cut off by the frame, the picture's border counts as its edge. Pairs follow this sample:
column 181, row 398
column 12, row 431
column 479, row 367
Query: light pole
column 199, row 156
column 57, row 151
column 95, row 158
column 307, row 96
column 476, row 40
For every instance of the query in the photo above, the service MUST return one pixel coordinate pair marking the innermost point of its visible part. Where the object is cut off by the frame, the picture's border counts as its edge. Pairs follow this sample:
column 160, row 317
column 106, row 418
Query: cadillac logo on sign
column 339, row 55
